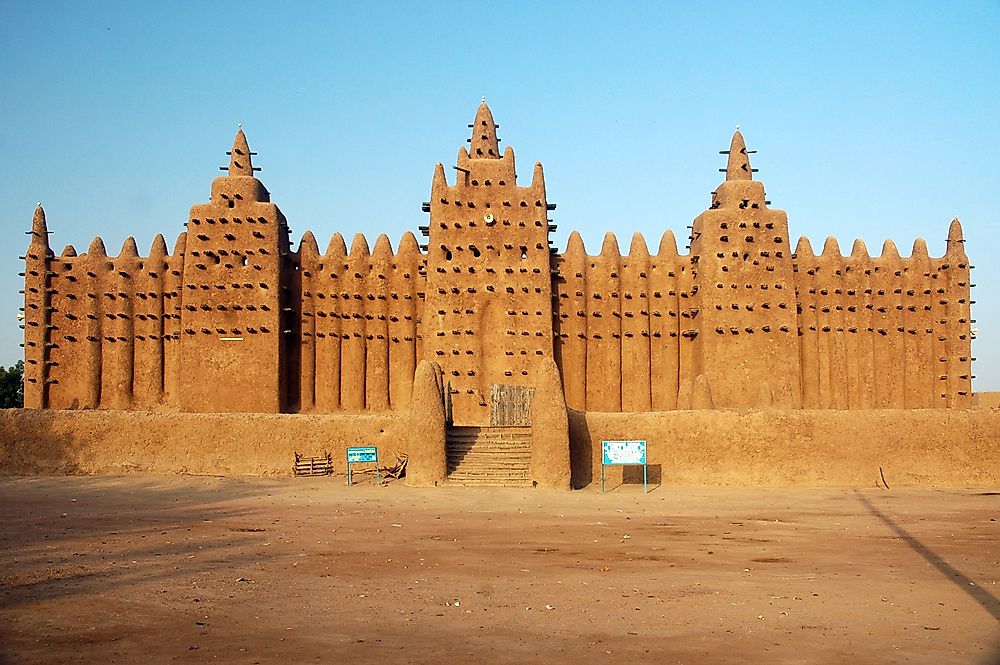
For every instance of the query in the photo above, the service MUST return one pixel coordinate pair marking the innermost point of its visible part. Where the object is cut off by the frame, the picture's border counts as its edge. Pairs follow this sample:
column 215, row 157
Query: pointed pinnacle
column 240, row 162
column 738, row 167
column 484, row 144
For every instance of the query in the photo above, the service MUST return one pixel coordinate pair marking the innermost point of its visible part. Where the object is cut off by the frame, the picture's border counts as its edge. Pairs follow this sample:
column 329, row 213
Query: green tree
column 12, row 386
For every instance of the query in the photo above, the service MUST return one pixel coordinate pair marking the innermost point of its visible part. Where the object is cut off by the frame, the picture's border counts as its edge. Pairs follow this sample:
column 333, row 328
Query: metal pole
column 602, row 478
column 645, row 485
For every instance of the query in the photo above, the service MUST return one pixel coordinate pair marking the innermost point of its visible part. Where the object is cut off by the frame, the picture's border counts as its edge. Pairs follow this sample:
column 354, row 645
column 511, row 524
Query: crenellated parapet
column 359, row 316
column 104, row 323
column 884, row 331
column 619, row 322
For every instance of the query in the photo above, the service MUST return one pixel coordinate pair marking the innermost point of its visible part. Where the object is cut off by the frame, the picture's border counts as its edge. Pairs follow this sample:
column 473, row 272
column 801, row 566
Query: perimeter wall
column 771, row 448
column 735, row 447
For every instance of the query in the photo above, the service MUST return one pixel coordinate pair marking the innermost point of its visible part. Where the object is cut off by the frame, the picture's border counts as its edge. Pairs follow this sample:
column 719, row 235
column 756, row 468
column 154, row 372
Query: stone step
column 489, row 456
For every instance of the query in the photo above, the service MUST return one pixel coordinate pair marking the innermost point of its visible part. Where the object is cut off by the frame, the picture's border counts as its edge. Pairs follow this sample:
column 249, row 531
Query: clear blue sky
column 872, row 120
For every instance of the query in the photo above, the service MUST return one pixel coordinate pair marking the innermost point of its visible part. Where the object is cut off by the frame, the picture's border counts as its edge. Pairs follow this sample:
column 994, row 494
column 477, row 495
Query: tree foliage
column 12, row 386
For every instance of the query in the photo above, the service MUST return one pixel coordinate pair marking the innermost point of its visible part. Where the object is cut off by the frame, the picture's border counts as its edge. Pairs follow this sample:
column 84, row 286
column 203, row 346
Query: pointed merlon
column 337, row 249
column 308, row 247
column 383, row 248
column 180, row 245
column 859, row 250
column 668, row 245
column 537, row 177
column 240, row 162
column 39, row 229
column 804, row 250
column 97, row 248
column 610, row 246
column 831, row 248
column 738, row 167
column 158, row 249
column 129, row 249
column 637, row 249
column 359, row 246
column 484, row 143
column 574, row 246
column 440, row 182
column 408, row 246
column 69, row 251
column 919, row 249
column 889, row 250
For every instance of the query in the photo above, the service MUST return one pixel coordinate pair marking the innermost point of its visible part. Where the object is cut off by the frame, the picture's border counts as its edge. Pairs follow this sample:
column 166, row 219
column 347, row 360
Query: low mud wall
column 986, row 400
column 39, row 442
column 795, row 448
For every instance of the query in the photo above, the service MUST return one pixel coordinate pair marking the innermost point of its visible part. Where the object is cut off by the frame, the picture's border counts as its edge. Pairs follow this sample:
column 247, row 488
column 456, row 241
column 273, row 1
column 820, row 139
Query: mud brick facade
column 234, row 320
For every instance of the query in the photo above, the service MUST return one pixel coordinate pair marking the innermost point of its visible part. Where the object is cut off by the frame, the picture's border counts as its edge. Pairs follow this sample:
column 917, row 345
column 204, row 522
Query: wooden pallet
column 313, row 466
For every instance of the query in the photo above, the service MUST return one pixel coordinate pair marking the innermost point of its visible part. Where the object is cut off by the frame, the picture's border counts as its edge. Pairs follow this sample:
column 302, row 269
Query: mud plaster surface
column 191, row 570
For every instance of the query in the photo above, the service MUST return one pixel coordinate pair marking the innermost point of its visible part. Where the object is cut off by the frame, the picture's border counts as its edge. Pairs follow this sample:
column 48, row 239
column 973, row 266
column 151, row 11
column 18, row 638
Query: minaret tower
column 37, row 324
column 488, row 311
column 234, row 344
column 744, row 337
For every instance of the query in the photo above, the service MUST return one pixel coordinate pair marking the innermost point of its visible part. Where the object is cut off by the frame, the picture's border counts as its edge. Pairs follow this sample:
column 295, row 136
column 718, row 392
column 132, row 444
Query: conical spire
column 919, row 249
column 39, row 230
column 68, row 251
column 803, row 249
column 738, row 167
column 240, row 162
column 955, row 238
column 484, row 144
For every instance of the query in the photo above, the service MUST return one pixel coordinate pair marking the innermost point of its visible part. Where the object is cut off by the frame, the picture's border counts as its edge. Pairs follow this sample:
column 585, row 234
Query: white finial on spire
column 239, row 125
column 737, row 128
column 484, row 99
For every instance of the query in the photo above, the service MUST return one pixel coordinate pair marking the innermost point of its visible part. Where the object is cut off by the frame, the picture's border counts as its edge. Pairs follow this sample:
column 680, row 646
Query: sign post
column 361, row 454
column 624, row 453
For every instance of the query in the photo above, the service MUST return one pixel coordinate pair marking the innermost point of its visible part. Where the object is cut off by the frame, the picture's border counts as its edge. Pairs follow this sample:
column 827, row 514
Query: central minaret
column 235, row 330
column 488, row 312
column 746, row 334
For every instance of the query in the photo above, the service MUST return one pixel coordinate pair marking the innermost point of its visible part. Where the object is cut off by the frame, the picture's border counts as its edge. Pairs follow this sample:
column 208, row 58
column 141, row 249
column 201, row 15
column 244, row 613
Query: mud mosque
column 234, row 320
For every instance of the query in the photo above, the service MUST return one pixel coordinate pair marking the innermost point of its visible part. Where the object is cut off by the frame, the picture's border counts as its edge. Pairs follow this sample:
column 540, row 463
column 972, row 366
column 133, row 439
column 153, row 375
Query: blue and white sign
column 360, row 454
column 624, row 452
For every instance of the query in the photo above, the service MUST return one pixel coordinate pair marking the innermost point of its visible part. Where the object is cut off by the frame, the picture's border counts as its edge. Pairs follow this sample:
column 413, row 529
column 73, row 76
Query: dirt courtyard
column 164, row 569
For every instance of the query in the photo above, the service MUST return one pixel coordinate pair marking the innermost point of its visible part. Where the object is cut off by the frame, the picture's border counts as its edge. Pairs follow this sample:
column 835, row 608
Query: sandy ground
column 187, row 569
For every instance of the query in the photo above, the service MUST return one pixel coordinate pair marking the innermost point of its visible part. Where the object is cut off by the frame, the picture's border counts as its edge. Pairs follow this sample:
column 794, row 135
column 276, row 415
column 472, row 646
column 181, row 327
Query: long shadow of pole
column 988, row 601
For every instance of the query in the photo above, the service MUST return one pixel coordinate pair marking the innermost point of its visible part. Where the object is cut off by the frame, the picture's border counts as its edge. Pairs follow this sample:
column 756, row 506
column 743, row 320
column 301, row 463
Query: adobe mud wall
column 989, row 400
column 234, row 320
column 114, row 442
column 770, row 448
column 766, row 448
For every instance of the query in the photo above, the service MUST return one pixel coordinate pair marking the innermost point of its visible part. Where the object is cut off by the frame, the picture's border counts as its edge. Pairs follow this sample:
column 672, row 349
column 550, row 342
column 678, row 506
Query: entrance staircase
column 489, row 456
